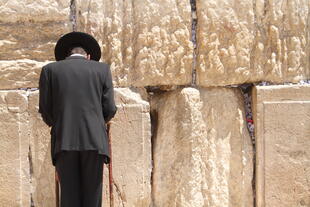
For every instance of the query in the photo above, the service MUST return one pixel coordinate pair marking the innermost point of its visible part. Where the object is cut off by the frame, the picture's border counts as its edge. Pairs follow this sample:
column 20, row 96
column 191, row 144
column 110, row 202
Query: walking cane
column 57, row 188
column 110, row 166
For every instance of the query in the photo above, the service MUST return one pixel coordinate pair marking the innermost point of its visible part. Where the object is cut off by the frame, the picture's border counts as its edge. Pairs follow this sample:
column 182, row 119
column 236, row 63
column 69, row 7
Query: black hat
column 77, row 39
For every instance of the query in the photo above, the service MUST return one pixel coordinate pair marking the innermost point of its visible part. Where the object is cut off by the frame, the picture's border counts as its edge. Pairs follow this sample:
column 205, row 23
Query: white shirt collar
column 77, row 55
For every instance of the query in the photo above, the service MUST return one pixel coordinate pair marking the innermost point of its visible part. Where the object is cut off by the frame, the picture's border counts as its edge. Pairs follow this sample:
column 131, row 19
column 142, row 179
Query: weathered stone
column 225, row 39
column 20, row 74
column 131, row 151
column 14, row 165
column 281, row 44
column 146, row 42
column 249, row 41
column 282, row 117
column 202, row 149
column 43, row 172
column 29, row 29
column 28, row 33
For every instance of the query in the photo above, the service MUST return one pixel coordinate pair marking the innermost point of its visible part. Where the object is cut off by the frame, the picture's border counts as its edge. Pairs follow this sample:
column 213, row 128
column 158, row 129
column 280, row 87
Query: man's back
column 76, row 100
column 80, row 102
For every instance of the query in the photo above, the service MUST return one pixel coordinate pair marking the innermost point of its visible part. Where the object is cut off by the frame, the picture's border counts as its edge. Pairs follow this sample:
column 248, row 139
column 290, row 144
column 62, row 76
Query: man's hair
column 77, row 50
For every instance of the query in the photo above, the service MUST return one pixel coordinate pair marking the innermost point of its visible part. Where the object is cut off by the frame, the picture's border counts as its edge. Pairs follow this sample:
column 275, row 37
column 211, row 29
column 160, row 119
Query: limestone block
column 202, row 150
column 249, row 41
column 146, row 42
column 42, row 170
column 281, row 50
column 14, row 165
column 131, row 151
column 225, row 38
column 29, row 29
column 20, row 73
column 282, row 116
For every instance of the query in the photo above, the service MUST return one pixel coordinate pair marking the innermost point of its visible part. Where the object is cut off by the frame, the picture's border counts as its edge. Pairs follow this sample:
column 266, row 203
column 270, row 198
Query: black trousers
column 80, row 175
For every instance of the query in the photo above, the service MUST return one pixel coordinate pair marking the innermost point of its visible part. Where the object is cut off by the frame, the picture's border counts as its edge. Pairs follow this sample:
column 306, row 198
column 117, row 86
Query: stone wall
column 180, row 137
column 251, row 41
column 282, row 114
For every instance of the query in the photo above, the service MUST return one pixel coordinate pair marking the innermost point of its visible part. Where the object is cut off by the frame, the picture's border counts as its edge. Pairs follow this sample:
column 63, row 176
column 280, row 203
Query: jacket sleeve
column 45, row 97
column 108, row 104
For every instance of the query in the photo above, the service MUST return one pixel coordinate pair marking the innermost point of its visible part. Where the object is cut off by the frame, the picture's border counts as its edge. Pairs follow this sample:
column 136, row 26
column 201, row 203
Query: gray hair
column 77, row 50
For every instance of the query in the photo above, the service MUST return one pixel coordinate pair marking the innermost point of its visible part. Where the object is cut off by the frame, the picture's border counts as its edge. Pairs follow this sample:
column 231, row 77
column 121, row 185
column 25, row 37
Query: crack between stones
column 30, row 160
column 154, row 127
column 246, row 91
column 308, row 39
column 30, row 174
column 19, row 89
column 72, row 15
column 194, row 21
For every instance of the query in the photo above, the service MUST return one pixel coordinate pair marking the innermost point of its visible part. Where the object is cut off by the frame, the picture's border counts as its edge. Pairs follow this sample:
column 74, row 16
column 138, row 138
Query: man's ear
column 88, row 56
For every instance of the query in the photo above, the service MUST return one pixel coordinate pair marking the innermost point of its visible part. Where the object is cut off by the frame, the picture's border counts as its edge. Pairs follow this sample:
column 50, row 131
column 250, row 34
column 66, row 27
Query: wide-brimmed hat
column 77, row 39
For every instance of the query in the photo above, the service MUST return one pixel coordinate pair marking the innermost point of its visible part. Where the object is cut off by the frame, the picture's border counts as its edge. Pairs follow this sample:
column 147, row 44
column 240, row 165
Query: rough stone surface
column 42, row 171
column 14, row 165
column 131, row 151
column 28, row 34
column 29, row 29
column 202, row 150
column 249, row 41
column 282, row 117
column 146, row 42
column 20, row 73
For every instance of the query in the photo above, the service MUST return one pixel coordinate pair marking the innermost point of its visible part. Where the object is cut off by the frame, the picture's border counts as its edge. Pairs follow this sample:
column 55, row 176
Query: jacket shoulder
column 105, row 68
column 50, row 65
column 63, row 63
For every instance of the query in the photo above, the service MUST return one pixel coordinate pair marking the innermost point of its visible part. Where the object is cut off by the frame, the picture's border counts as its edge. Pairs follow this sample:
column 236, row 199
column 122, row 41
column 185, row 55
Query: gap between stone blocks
column 194, row 21
column 72, row 15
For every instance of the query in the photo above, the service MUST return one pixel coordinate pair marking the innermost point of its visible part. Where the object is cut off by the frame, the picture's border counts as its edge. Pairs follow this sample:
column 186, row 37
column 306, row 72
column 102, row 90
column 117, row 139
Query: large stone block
column 282, row 117
column 20, row 73
column 202, row 150
column 225, row 37
column 131, row 151
column 42, row 170
column 29, row 29
column 281, row 50
column 249, row 41
column 14, row 165
column 146, row 42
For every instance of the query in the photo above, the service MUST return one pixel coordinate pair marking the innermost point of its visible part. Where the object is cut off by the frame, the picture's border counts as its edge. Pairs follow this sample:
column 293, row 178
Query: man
column 77, row 100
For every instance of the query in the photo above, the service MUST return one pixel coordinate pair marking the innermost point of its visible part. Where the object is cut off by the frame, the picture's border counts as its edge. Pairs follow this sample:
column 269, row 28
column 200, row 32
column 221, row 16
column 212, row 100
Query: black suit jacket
column 76, row 100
